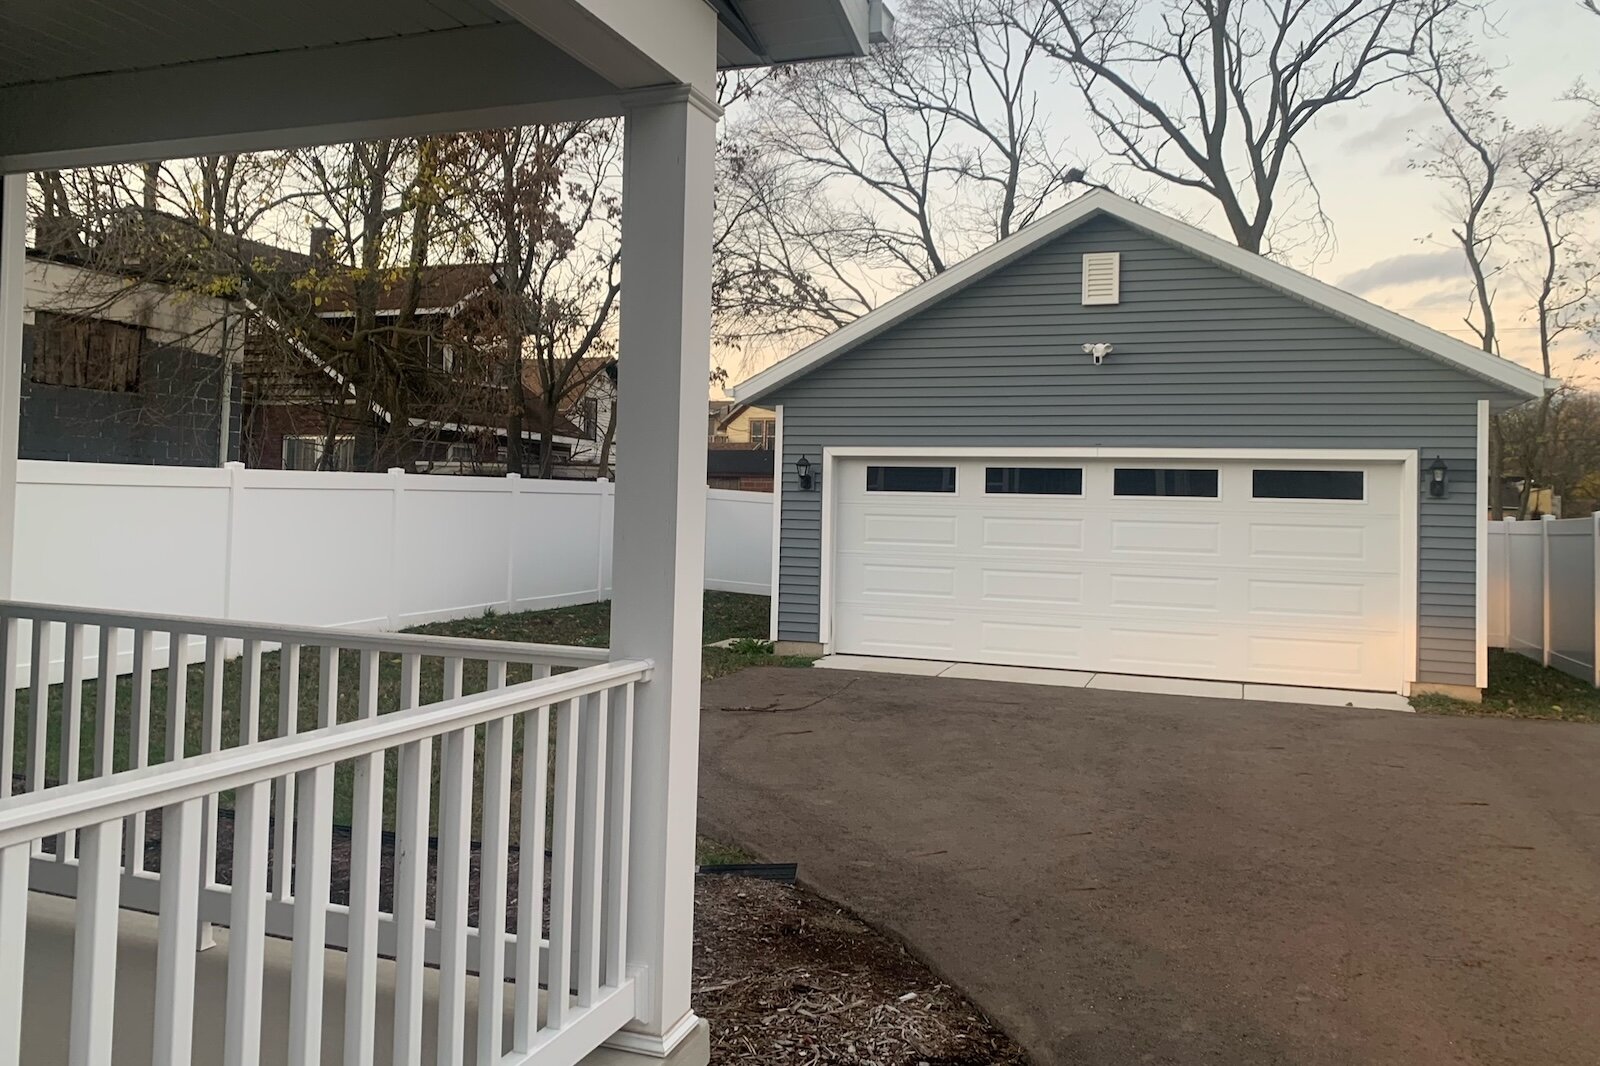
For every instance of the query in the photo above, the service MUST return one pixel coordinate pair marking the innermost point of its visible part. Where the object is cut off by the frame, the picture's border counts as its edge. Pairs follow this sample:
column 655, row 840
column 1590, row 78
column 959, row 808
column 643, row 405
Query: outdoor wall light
column 1438, row 478
column 802, row 471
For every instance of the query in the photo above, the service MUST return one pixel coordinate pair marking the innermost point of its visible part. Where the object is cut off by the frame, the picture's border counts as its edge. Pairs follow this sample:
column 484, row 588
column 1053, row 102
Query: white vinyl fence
column 1543, row 597
column 370, row 551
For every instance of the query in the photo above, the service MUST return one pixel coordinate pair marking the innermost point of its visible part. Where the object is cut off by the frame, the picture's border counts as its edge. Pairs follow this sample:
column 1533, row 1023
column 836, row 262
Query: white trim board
column 1335, row 301
column 1410, row 506
column 1481, row 490
column 777, row 522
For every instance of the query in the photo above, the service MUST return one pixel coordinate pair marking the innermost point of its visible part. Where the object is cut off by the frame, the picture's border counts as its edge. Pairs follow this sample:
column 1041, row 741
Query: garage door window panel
column 1034, row 480
column 921, row 479
column 1343, row 485
column 1164, row 482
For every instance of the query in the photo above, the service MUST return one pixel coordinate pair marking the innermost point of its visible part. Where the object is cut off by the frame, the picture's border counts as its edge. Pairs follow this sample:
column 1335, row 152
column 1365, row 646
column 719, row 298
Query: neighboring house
column 117, row 370
column 739, row 423
column 1113, row 442
column 302, row 414
column 584, row 419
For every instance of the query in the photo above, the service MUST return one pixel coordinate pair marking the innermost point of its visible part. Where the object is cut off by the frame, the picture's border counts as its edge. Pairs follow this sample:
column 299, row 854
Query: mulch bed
column 786, row 977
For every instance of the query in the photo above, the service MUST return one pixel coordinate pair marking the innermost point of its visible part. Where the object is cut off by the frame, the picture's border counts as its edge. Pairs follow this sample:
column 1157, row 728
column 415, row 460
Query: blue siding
column 1204, row 358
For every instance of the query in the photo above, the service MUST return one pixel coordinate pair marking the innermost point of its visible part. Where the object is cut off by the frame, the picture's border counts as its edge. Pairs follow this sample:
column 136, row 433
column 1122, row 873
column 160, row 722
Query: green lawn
column 1521, row 688
column 726, row 615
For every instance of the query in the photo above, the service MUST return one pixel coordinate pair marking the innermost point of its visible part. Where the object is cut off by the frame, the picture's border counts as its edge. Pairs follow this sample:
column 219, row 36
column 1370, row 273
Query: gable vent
column 1102, row 278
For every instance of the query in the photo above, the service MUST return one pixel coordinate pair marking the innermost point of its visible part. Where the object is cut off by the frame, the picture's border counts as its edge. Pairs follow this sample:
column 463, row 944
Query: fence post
column 1594, row 550
column 230, row 560
column 396, row 487
column 1544, row 546
column 603, row 554
column 514, row 485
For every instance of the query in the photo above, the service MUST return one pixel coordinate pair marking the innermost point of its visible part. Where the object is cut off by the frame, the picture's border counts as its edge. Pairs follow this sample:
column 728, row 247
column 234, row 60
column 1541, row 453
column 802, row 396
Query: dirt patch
column 785, row 977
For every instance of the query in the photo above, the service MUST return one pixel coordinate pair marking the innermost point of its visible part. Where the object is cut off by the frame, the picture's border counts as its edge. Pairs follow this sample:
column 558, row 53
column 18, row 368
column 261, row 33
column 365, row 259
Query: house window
column 86, row 353
column 1308, row 484
column 461, row 452
column 1137, row 481
column 911, row 479
column 591, row 417
column 764, row 432
column 306, row 453
column 1034, row 480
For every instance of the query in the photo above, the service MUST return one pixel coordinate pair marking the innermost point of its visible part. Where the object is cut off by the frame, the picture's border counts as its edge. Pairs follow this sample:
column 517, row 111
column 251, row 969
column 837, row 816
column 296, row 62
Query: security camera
column 1099, row 351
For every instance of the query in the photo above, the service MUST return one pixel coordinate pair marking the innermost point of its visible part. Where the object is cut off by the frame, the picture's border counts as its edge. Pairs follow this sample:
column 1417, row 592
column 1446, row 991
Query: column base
column 693, row 1048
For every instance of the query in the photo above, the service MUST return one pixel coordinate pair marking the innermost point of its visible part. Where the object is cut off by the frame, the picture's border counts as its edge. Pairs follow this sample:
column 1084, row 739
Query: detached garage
column 1114, row 443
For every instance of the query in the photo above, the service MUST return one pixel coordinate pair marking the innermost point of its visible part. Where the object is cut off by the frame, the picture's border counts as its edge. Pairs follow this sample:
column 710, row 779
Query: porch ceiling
column 97, row 81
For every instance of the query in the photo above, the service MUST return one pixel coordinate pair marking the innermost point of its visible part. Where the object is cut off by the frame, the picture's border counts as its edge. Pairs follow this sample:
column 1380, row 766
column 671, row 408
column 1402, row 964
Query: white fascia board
column 631, row 45
column 1498, row 371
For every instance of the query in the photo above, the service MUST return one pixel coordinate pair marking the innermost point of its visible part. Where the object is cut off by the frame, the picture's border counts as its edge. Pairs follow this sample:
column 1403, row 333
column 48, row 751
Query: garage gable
column 1167, row 269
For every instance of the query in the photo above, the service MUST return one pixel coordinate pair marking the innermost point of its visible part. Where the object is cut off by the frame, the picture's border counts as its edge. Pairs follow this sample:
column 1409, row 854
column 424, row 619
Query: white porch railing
column 157, row 833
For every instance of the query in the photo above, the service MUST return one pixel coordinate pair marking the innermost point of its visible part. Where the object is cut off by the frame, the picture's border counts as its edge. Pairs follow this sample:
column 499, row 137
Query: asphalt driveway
column 1121, row 878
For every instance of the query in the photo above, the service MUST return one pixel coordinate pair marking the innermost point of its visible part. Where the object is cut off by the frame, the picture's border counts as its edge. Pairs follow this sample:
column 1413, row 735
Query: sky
column 1391, row 234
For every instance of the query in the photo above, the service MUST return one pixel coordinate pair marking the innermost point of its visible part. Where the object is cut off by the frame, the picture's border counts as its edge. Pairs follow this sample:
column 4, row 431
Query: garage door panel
column 894, row 530
column 906, row 580
column 1031, row 587
column 886, row 633
column 1179, row 652
column 1165, row 592
column 1304, row 592
column 1022, row 643
column 1039, row 532
column 1165, row 537
column 1339, row 599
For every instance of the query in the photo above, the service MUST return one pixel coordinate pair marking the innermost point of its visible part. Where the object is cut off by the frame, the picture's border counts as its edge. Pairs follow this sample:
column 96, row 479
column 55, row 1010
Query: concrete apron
column 1169, row 686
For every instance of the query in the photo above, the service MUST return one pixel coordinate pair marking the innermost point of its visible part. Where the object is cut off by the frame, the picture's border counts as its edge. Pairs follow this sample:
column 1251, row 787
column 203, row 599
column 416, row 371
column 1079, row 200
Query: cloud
column 1443, row 265
column 1387, row 131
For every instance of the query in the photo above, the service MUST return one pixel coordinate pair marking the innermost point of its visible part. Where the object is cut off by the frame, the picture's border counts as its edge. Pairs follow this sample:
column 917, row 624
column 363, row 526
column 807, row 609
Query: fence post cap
column 397, row 470
column 233, row 464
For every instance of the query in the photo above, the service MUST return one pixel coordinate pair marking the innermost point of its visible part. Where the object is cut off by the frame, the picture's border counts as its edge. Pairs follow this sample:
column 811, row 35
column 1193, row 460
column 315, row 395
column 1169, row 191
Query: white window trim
column 1410, row 504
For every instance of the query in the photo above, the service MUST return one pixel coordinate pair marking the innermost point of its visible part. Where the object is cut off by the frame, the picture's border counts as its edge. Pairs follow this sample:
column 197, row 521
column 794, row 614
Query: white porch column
column 659, row 570
column 13, row 265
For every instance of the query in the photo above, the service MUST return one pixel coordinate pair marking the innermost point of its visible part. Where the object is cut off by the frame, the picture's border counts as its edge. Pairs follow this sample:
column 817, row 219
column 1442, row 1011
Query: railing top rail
column 325, row 636
column 56, row 810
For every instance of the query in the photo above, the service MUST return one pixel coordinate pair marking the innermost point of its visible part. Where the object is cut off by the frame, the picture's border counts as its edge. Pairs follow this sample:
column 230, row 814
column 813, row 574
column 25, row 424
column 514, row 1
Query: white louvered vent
column 1102, row 278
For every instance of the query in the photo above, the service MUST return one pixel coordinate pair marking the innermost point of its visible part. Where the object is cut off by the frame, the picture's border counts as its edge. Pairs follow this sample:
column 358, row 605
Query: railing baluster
column 558, row 983
column 73, row 668
column 177, row 695
column 450, row 915
column 179, row 930
column 591, row 828
column 247, row 925
column 530, row 874
column 9, row 649
column 283, row 818
column 105, row 704
column 366, row 858
column 94, row 948
column 312, row 875
column 14, row 863
column 492, row 870
column 139, row 736
column 250, row 693
column 618, row 823
column 328, row 688
column 210, row 740
column 38, row 706
column 411, row 878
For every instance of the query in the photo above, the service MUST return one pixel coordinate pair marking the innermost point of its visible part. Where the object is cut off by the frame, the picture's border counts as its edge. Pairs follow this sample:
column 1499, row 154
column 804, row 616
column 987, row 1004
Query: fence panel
column 368, row 551
column 1544, row 592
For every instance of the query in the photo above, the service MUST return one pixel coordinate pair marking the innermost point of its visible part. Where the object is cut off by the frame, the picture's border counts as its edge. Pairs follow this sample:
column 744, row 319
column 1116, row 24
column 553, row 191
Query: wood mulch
column 786, row 977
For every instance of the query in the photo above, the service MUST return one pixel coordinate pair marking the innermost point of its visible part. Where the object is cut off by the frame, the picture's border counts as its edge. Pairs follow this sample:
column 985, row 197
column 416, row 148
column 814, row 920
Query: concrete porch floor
column 47, row 1002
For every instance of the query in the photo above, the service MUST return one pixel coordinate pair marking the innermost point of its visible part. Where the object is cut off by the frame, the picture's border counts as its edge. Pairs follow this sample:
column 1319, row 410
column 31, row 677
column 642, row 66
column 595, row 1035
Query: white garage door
column 1280, row 572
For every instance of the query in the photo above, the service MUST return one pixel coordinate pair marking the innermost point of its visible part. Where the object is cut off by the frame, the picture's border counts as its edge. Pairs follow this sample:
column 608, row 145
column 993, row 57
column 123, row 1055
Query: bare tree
column 543, row 202
column 1213, row 95
column 841, row 180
